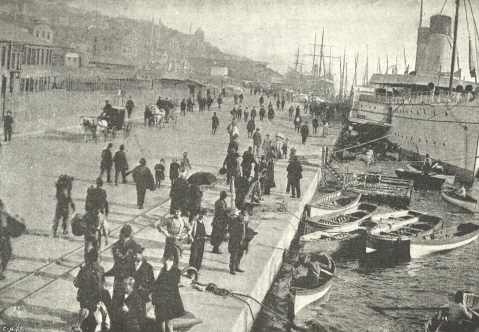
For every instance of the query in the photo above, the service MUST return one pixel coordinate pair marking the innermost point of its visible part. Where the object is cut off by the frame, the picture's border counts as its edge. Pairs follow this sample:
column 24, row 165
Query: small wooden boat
column 337, row 245
column 444, row 240
column 348, row 222
column 331, row 203
column 430, row 181
column 440, row 322
column 395, row 235
column 468, row 203
column 302, row 293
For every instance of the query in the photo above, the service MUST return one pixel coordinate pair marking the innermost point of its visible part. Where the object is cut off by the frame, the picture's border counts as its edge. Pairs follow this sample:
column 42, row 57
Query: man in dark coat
column 174, row 170
column 89, row 282
column 195, row 196
column 315, row 124
column 128, row 309
column 253, row 113
column 215, row 122
column 106, row 162
column 5, row 244
column 250, row 127
column 8, row 126
column 262, row 113
column 130, row 105
column 246, row 163
column 304, row 132
column 232, row 166
column 96, row 207
column 179, row 196
column 295, row 171
column 142, row 272
column 237, row 241
column 62, row 210
column 144, row 180
column 121, row 164
column 220, row 222
column 183, row 106
column 198, row 237
column 123, row 252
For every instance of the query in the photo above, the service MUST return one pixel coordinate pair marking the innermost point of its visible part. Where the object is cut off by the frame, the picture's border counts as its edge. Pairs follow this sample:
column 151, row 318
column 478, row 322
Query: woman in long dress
column 166, row 295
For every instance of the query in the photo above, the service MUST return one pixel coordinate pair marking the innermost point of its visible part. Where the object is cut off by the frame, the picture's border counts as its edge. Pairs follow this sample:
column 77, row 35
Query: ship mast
column 454, row 46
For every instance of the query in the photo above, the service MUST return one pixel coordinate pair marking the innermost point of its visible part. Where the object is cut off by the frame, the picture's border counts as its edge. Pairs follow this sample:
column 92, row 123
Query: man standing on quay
column 121, row 164
column 106, row 163
column 8, row 126
column 144, row 180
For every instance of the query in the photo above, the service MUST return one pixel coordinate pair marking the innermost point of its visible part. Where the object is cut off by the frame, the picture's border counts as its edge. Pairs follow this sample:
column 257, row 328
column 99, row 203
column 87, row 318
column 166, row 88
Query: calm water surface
column 366, row 285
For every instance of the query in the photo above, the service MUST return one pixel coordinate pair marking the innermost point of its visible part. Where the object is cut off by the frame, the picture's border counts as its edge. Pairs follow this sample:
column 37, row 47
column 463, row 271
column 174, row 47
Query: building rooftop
column 15, row 33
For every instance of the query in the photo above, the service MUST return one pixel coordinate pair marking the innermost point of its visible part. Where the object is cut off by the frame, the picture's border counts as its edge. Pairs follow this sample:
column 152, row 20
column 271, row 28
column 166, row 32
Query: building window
column 42, row 59
column 48, row 35
column 4, row 55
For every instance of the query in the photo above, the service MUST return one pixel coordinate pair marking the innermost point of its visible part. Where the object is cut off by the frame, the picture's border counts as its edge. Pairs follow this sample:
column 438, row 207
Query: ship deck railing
column 421, row 99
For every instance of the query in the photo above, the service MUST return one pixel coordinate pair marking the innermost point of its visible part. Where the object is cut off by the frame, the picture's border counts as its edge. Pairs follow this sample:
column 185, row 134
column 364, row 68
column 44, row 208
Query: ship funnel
column 434, row 46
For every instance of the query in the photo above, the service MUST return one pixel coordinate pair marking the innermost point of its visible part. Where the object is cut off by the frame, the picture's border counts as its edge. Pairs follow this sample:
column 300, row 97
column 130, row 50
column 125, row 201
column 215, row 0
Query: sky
column 273, row 30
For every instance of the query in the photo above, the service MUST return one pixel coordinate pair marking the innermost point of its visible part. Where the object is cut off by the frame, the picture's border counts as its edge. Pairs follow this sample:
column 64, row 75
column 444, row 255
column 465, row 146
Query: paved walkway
column 38, row 293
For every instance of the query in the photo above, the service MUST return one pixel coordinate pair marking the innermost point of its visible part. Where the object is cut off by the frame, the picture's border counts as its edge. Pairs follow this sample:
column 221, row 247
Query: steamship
column 428, row 111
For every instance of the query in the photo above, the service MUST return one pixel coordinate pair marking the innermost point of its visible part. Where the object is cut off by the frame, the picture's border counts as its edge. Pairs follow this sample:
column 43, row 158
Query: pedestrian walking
column 290, row 112
column 297, row 122
column 166, row 295
column 232, row 166
column 106, row 162
column 144, row 180
column 123, row 252
column 174, row 230
column 247, row 162
column 267, row 146
column 195, row 196
column 253, row 113
column 127, row 308
column 219, row 101
column 174, row 170
column 295, row 171
column 8, row 126
column 183, row 107
column 198, row 238
column 215, row 123
column 142, row 273
column 325, row 128
column 315, row 124
column 270, row 113
column 283, row 102
column 246, row 114
column 257, row 141
column 159, row 172
column 5, row 243
column 284, row 149
column 304, row 132
column 179, row 195
column 89, row 282
column 62, row 210
column 189, row 104
column 121, row 164
column 185, row 165
column 130, row 105
column 268, row 181
column 262, row 113
column 261, row 100
column 239, row 112
column 250, row 127
column 220, row 222
column 237, row 241
column 97, row 210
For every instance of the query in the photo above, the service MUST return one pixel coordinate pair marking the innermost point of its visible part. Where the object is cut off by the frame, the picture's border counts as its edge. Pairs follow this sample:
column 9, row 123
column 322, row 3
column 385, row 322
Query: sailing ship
column 430, row 110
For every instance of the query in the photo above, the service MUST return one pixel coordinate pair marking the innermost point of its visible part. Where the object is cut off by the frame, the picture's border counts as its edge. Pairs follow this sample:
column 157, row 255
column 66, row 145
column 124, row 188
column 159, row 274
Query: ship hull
column 447, row 132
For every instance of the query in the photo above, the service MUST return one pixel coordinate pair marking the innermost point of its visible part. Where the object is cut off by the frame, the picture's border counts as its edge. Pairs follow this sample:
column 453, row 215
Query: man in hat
column 89, row 282
column 179, row 195
column 96, row 207
column 5, row 244
column 174, row 170
column 174, row 229
column 304, row 132
column 257, row 141
column 130, row 105
column 8, row 126
column 128, row 308
column 198, row 237
column 106, row 162
column 237, row 241
column 220, row 222
column 144, row 180
column 123, row 252
column 121, row 164
column 142, row 272
column 295, row 171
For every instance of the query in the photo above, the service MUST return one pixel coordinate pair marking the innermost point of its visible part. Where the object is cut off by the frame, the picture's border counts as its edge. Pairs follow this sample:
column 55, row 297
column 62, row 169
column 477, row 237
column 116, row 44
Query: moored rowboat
column 468, row 203
column 303, row 294
column 332, row 203
column 395, row 237
column 444, row 240
column 430, row 181
column 348, row 222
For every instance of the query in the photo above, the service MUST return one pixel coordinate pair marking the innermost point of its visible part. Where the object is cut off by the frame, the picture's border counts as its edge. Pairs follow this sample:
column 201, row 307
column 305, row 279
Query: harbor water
column 379, row 294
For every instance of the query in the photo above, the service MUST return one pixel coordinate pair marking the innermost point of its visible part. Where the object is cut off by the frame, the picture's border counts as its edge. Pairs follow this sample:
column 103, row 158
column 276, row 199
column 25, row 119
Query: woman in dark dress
column 166, row 295
column 198, row 235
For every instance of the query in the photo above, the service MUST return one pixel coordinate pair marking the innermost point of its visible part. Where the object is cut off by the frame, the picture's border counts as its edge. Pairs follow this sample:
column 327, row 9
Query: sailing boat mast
column 321, row 52
column 454, row 46
column 313, row 71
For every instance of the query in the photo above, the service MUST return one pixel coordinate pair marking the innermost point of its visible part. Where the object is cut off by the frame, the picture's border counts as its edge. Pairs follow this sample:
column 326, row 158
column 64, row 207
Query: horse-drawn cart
column 109, row 123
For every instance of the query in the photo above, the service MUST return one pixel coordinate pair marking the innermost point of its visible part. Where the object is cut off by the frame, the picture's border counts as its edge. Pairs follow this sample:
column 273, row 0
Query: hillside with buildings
column 77, row 40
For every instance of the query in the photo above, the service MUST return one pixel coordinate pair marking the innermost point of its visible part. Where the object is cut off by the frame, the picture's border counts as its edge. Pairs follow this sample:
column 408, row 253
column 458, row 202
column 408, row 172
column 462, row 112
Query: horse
column 89, row 128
